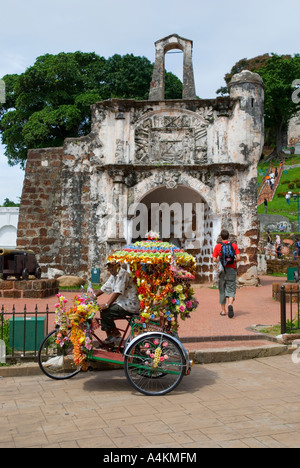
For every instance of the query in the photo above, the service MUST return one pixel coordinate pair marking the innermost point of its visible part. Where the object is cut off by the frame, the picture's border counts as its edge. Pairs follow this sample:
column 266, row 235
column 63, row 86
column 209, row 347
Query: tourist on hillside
column 266, row 205
column 278, row 247
column 227, row 253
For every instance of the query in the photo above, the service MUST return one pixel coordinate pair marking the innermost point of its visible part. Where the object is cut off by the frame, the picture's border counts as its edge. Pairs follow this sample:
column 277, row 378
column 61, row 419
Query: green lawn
column 279, row 205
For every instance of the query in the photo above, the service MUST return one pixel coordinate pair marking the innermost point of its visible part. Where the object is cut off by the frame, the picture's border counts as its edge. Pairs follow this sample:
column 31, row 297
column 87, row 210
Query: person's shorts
column 227, row 284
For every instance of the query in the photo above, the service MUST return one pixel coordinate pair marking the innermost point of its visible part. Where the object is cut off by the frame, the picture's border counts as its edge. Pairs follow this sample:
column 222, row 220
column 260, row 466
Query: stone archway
column 182, row 216
column 8, row 236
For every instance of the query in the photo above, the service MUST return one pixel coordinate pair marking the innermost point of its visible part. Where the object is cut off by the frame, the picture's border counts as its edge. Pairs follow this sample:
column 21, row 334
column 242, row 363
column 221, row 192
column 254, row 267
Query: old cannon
column 18, row 263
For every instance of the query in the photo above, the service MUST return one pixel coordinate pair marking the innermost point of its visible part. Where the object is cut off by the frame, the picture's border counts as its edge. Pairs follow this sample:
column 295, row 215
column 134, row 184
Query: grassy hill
column 290, row 181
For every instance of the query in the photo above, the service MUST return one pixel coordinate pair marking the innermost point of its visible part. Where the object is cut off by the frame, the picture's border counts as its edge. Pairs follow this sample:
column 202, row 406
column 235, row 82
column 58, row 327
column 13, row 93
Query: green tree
column 51, row 100
column 278, row 72
column 9, row 203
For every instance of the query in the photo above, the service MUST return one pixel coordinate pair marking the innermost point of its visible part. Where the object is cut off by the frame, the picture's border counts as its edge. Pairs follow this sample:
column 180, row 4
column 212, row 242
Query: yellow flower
column 178, row 288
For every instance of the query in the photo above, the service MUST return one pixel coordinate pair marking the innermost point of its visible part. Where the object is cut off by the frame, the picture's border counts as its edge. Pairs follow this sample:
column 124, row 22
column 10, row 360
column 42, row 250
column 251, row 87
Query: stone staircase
column 265, row 190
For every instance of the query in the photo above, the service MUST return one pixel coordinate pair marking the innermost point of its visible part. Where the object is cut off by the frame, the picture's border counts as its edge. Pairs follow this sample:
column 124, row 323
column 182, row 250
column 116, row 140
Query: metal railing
column 289, row 307
column 23, row 332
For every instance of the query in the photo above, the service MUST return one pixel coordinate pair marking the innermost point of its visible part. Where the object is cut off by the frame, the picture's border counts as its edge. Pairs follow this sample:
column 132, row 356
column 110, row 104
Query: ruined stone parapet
column 157, row 88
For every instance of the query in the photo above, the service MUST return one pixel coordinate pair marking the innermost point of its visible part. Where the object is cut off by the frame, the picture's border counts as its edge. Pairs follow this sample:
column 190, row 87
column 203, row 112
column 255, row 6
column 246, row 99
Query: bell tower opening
column 157, row 87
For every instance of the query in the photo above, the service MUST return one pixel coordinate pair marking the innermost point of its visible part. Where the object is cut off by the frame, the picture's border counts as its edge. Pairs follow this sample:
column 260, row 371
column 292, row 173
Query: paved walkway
column 253, row 305
column 241, row 404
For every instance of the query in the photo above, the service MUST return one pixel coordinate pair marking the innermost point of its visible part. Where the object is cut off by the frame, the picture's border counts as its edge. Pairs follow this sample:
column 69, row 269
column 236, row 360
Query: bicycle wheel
column 154, row 363
column 56, row 361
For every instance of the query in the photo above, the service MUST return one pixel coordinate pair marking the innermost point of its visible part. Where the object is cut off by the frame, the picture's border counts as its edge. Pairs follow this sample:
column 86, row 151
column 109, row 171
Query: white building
column 8, row 227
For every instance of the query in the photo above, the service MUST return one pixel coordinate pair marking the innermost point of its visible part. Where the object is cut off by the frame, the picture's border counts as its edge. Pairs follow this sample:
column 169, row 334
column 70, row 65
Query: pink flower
column 173, row 301
column 182, row 308
column 57, row 305
column 189, row 304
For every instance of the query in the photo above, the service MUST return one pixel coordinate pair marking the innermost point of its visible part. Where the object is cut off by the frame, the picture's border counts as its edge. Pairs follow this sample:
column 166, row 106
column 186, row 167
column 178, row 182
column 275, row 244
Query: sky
column 222, row 32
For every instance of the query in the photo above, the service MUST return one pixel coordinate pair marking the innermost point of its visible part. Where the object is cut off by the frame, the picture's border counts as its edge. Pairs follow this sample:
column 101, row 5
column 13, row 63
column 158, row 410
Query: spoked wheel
column 154, row 363
column 55, row 361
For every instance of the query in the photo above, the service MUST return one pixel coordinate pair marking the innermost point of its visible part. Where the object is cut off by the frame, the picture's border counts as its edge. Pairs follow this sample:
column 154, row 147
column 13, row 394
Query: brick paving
column 245, row 404
column 251, row 403
column 253, row 305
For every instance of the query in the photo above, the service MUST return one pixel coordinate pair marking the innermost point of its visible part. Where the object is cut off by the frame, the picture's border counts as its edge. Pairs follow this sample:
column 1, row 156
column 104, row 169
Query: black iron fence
column 23, row 331
column 290, row 313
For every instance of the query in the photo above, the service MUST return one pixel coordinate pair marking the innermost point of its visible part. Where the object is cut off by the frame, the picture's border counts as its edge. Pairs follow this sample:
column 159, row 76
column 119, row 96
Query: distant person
column 266, row 205
column 269, row 238
column 288, row 198
column 296, row 253
column 278, row 247
column 228, row 254
column 281, row 227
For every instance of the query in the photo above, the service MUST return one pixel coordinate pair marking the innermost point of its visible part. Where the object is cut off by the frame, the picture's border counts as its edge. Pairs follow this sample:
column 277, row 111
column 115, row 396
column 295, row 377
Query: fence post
column 283, row 309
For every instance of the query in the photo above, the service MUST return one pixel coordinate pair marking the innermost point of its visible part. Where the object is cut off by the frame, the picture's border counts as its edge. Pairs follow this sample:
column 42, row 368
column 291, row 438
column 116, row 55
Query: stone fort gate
column 81, row 201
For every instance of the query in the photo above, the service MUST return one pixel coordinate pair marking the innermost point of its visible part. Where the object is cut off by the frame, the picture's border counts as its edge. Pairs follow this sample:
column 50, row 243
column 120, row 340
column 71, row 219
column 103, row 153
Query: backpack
column 227, row 254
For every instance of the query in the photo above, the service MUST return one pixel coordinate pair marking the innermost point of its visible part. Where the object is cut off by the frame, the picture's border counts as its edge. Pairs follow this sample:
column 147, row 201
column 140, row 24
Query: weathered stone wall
column 32, row 289
column 280, row 265
column 76, row 200
column 294, row 130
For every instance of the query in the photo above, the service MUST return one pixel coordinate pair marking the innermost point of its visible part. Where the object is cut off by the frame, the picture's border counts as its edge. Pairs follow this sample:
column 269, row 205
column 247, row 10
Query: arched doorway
column 181, row 216
column 8, row 236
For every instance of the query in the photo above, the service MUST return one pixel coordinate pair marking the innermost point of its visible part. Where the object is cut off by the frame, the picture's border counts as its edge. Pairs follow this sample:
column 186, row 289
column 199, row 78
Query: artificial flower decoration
column 162, row 273
column 80, row 319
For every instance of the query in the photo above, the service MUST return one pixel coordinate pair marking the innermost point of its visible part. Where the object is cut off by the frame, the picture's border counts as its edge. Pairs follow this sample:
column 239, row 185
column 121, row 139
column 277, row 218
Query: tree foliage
column 278, row 73
column 9, row 203
column 51, row 100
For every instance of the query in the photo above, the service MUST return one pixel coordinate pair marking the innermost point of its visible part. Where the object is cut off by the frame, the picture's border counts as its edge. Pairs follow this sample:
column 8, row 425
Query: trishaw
column 153, row 357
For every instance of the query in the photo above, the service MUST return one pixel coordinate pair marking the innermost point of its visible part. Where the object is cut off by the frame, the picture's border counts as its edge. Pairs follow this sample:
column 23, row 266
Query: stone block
column 13, row 294
column 5, row 285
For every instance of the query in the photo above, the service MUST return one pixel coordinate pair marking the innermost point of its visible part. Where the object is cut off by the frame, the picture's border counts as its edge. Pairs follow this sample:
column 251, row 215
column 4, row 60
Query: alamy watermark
column 2, row 92
column 296, row 93
column 172, row 221
column 2, row 352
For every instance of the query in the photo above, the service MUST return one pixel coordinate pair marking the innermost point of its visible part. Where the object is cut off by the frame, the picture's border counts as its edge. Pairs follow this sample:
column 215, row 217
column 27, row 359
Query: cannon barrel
column 14, row 251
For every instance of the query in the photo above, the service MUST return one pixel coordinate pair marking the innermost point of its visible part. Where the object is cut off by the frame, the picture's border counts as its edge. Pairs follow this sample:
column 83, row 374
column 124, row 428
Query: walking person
column 227, row 253
column 278, row 247
column 266, row 205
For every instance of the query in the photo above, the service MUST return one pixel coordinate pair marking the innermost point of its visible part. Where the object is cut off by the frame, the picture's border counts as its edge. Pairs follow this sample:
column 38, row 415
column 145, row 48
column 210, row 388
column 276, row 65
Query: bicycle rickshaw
column 154, row 359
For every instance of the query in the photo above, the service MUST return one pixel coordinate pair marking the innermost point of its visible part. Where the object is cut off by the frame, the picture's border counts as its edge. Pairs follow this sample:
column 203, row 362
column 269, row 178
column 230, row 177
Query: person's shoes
column 113, row 341
column 230, row 311
column 223, row 315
